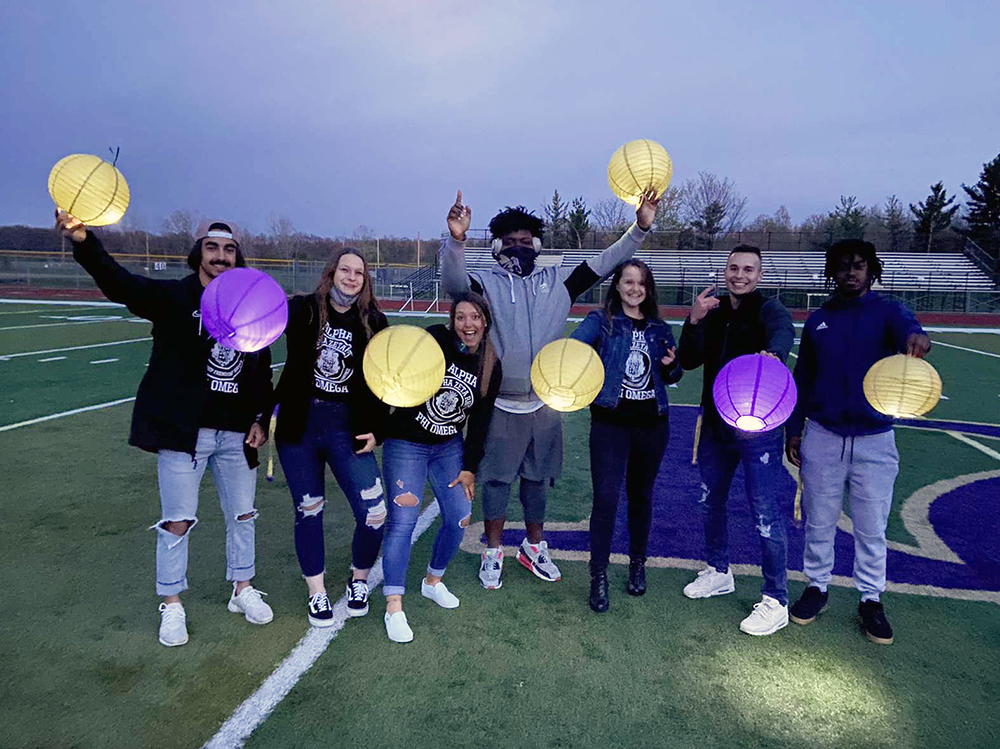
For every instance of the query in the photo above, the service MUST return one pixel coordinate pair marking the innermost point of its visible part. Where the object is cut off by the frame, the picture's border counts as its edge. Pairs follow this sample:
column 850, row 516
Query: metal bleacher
column 902, row 271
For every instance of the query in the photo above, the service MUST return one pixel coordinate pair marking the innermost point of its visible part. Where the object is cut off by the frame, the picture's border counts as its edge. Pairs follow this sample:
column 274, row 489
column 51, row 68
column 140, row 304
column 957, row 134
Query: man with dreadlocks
column 530, row 304
column 847, row 441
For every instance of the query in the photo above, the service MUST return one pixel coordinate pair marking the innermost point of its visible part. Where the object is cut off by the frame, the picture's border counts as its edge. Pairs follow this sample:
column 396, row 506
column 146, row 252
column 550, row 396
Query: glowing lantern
column 89, row 188
column 244, row 309
column 754, row 393
column 403, row 365
column 903, row 386
column 638, row 166
column 567, row 375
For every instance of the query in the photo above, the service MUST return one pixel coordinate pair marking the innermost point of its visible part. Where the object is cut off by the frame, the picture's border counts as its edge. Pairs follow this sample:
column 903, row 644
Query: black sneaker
column 636, row 578
column 811, row 604
column 599, row 592
column 320, row 613
column 876, row 627
column 357, row 597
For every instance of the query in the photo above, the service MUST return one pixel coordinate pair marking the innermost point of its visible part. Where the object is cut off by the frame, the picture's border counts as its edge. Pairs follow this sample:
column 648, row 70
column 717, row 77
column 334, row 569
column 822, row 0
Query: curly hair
column 848, row 248
column 515, row 219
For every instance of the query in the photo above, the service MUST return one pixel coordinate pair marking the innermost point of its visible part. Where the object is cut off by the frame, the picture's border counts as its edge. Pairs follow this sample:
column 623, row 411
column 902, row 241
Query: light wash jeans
column 869, row 466
column 407, row 466
column 179, row 476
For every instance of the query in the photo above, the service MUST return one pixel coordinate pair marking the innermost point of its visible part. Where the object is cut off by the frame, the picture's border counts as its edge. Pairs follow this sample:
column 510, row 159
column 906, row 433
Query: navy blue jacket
column 613, row 340
column 840, row 342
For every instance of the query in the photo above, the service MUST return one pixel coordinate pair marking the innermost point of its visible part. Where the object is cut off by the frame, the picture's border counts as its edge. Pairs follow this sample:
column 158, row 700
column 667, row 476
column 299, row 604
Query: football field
column 526, row 666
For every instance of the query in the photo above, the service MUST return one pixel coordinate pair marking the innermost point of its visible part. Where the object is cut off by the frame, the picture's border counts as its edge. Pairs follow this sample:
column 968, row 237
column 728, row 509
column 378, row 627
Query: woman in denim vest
column 629, row 425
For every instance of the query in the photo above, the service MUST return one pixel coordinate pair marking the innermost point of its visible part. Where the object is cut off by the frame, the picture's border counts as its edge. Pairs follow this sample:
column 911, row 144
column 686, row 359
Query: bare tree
column 780, row 221
column 282, row 235
column 668, row 212
column 713, row 205
column 181, row 223
column 611, row 214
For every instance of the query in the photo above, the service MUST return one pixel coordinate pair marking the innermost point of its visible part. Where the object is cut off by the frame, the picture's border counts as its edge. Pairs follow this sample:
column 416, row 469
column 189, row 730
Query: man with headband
column 199, row 405
column 530, row 304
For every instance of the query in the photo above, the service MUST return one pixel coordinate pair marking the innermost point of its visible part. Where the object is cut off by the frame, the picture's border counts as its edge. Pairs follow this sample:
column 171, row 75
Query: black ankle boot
column 599, row 592
column 636, row 578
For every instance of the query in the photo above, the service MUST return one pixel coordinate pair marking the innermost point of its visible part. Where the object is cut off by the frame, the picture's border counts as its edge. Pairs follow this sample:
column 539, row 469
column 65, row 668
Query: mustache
column 223, row 263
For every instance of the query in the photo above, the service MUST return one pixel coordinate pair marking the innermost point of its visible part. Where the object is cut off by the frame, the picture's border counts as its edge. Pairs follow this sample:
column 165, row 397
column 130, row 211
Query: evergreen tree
column 896, row 225
column 557, row 214
column 983, row 214
column 849, row 219
column 932, row 216
column 578, row 222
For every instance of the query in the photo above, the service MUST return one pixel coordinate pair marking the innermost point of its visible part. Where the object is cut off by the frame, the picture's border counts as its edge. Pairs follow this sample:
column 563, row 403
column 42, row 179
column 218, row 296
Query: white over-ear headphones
column 497, row 245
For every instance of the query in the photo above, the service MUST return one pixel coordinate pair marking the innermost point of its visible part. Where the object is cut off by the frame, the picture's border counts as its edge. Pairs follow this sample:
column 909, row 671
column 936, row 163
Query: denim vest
column 613, row 342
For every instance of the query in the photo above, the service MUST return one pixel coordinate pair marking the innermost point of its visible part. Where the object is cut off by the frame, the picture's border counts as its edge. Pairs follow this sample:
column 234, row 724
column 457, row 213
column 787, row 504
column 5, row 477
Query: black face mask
column 519, row 260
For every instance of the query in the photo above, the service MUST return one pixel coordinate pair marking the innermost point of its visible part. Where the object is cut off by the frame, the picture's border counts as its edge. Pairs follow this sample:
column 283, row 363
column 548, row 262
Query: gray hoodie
column 530, row 312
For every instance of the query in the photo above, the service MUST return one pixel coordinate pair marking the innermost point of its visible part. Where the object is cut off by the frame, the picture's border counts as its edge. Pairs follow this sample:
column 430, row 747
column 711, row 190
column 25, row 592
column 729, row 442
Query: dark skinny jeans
column 629, row 456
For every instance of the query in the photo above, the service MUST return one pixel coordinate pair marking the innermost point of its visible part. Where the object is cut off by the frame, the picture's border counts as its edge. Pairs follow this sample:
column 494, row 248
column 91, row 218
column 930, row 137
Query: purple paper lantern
column 244, row 309
column 754, row 393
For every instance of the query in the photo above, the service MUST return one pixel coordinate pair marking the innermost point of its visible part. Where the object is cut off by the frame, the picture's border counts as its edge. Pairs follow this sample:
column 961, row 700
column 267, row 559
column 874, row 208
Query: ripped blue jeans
column 408, row 465
column 328, row 440
column 720, row 451
column 179, row 476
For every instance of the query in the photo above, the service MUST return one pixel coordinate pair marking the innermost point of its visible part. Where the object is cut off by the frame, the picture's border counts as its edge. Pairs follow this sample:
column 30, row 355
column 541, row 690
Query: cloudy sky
column 339, row 114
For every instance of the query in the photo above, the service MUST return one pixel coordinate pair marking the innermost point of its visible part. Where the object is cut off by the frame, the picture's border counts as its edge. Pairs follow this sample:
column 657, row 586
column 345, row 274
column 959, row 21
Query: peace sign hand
column 459, row 218
column 704, row 303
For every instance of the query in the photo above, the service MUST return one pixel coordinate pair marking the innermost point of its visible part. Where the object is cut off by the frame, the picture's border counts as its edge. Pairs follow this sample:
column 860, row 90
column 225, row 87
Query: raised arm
column 691, row 351
column 595, row 270
column 454, row 275
column 143, row 296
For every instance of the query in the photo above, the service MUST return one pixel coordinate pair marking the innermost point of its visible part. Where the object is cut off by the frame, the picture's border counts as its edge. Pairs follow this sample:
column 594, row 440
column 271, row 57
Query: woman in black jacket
column 328, row 415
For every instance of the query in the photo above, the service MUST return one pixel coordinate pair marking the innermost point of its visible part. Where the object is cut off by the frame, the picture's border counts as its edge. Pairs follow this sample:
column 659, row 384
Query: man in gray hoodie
column 530, row 304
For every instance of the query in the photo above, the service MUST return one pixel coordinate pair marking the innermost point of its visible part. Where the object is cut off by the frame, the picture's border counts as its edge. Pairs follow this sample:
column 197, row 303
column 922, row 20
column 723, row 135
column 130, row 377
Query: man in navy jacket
column 200, row 404
column 846, row 440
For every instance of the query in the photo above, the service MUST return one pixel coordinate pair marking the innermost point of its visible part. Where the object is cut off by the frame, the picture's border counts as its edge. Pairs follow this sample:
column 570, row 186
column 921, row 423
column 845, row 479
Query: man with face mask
column 846, row 440
column 200, row 405
column 530, row 304
column 716, row 332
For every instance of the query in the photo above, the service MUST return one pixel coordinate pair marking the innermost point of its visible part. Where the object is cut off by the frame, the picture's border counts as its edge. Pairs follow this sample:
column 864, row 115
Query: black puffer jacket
column 169, row 402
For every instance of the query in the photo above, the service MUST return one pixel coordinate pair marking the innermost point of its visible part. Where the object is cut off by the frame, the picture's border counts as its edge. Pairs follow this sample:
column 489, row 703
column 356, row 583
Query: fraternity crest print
column 335, row 362
column 448, row 406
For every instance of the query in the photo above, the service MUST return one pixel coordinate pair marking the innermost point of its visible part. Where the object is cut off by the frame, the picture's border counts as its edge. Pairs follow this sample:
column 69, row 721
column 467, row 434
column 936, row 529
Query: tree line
column 697, row 214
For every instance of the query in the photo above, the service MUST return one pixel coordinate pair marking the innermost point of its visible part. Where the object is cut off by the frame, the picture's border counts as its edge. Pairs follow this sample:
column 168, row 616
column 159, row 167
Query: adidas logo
column 822, row 326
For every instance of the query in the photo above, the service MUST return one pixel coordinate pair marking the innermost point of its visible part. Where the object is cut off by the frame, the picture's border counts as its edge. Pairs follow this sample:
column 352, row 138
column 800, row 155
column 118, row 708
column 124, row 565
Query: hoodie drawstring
column 843, row 448
column 511, row 279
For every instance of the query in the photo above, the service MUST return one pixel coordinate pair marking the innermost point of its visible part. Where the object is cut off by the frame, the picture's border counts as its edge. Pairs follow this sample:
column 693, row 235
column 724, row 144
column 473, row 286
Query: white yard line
column 5, row 357
column 74, row 412
column 61, row 303
column 53, row 358
column 38, row 311
column 963, row 348
column 276, row 687
column 103, row 361
column 972, row 443
column 64, row 324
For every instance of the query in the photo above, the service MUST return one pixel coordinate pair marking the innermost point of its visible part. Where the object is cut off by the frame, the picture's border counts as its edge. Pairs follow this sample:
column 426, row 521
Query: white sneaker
column 173, row 625
column 710, row 582
column 397, row 628
column 491, row 569
column 250, row 604
column 767, row 617
column 439, row 594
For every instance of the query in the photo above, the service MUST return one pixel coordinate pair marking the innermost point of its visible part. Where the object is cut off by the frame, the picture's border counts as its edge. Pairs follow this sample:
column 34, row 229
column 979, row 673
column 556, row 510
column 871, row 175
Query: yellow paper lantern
column 403, row 365
column 89, row 188
column 902, row 386
column 567, row 375
column 638, row 166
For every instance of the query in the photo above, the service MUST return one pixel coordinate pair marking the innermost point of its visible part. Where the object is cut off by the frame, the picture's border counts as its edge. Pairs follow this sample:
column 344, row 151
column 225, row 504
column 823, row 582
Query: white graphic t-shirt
column 637, row 383
column 334, row 362
column 222, row 371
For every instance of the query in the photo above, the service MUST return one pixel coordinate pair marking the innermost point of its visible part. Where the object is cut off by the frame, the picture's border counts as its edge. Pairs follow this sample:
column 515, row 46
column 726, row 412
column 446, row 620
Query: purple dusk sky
column 340, row 114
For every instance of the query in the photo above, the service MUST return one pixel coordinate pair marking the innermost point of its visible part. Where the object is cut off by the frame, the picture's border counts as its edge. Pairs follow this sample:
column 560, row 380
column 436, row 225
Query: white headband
column 220, row 233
